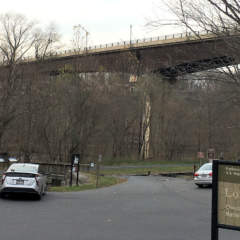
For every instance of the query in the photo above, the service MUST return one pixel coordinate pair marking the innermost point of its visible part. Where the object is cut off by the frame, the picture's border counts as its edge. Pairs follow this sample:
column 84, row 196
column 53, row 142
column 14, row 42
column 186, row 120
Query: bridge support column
column 146, row 129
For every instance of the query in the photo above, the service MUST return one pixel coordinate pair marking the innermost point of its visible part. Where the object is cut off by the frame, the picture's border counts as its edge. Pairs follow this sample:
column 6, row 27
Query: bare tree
column 46, row 41
column 16, row 41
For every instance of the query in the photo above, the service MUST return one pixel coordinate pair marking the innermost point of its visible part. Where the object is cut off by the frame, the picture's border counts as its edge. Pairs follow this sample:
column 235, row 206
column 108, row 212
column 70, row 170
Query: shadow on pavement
column 20, row 197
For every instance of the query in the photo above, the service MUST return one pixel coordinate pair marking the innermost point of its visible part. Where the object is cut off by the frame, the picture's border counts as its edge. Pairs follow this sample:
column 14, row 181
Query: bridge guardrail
column 171, row 38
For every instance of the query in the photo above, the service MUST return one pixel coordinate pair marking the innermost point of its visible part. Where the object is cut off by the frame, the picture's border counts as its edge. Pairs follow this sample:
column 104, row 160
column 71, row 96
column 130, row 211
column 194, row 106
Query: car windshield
column 206, row 167
column 23, row 168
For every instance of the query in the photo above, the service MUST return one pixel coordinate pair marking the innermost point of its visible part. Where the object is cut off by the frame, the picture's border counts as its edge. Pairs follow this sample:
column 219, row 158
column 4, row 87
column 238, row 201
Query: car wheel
column 39, row 196
column 2, row 195
column 200, row 185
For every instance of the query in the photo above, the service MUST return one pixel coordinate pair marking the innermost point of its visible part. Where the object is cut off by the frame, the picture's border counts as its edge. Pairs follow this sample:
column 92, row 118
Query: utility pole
column 80, row 27
column 87, row 33
column 130, row 35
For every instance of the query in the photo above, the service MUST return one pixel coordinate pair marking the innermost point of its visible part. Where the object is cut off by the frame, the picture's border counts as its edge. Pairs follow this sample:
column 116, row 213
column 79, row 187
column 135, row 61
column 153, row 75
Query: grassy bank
column 104, row 181
column 143, row 170
column 127, row 161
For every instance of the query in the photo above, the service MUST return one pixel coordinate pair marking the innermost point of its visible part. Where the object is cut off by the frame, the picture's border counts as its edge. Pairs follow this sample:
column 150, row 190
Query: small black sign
column 75, row 158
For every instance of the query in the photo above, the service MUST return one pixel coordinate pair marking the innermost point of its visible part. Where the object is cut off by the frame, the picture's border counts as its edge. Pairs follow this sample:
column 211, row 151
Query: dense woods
column 48, row 118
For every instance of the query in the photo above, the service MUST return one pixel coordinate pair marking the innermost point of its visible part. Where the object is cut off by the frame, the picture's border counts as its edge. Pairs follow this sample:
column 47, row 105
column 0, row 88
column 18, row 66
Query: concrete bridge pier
column 161, row 82
column 146, row 129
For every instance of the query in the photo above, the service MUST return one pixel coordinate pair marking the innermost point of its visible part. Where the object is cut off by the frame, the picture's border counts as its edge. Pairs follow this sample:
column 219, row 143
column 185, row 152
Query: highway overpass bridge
column 169, row 55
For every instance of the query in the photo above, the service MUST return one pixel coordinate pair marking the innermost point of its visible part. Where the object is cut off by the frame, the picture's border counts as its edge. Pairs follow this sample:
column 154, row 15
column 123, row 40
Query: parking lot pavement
column 143, row 208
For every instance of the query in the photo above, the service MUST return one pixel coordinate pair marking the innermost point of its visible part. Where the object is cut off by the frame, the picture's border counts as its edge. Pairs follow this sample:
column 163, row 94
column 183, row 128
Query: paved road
column 144, row 208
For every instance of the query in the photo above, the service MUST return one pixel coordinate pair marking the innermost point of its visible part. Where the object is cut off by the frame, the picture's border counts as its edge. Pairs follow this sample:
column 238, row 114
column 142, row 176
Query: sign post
column 74, row 159
column 77, row 162
column 211, row 154
column 225, row 197
column 200, row 156
column 98, row 169
column 214, row 228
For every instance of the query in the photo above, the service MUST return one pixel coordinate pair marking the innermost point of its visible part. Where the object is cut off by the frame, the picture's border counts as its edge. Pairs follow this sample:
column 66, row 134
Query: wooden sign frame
column 225, row 197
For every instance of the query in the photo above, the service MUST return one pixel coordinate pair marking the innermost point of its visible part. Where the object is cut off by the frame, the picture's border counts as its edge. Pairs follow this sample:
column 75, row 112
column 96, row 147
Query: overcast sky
column 106, row 20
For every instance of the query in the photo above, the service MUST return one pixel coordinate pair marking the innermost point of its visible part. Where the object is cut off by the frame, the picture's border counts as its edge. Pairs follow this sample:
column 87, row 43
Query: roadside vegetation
column 148, row 170
column 136, row 162
column 104, row 181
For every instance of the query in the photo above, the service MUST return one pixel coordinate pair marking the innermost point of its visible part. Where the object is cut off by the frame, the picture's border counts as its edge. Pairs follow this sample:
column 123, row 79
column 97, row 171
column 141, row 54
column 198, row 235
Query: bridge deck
column 143, row 43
